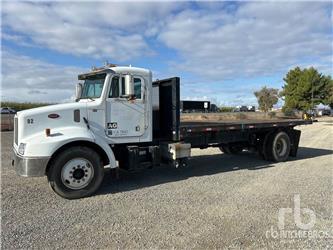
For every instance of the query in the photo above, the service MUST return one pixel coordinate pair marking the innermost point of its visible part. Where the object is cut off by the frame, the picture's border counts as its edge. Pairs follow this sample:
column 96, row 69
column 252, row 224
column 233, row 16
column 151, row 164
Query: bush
column 226, row 109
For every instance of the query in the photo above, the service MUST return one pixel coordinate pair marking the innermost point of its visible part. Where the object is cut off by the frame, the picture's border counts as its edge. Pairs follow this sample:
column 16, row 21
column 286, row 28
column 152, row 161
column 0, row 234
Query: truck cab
column 112, row 107
column 118, row 103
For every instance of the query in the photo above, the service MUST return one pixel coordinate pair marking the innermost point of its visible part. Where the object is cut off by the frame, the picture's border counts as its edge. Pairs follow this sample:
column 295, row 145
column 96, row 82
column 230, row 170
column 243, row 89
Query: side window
column 137, row 88
column 114, row 90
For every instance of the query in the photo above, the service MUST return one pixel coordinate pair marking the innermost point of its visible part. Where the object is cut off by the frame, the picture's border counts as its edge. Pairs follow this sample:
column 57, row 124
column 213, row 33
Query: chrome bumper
column 29, row 166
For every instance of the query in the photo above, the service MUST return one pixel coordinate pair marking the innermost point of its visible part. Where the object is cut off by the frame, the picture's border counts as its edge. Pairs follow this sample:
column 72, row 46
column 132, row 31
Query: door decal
column 112, row 125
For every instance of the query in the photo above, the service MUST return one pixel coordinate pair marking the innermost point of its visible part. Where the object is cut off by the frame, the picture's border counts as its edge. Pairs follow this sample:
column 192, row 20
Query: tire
column 264, row 148
column 77, row 172
column 277, row 147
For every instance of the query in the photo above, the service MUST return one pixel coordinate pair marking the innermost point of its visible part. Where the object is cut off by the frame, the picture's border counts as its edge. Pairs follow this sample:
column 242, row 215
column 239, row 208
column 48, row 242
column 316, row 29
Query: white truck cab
column 113, row 107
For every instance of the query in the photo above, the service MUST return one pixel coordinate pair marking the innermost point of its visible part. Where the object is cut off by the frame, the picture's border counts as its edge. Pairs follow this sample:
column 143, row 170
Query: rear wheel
column 76, row 173
column 277, row 147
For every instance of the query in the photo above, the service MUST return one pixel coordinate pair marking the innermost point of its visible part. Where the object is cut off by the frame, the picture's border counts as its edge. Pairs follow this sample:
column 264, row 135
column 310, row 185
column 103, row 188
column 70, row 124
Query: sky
column 222, row 51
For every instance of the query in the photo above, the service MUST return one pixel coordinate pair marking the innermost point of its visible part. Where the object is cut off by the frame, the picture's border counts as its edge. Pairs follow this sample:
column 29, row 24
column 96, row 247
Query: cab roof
column 115, row 69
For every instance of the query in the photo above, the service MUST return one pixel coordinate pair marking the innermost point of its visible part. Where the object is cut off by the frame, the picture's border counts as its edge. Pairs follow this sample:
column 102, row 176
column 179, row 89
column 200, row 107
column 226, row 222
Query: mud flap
column 294, row 136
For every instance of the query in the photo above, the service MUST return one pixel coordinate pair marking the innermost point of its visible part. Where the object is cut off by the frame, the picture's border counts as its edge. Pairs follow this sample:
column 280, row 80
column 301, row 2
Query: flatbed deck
column 207, row 133
column 241, row 124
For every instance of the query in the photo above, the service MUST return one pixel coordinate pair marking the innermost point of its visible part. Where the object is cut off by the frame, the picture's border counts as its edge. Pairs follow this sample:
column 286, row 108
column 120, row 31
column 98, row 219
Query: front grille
column 15, row 130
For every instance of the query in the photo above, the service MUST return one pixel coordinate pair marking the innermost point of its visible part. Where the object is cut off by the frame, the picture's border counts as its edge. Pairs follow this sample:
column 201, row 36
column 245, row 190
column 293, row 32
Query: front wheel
column 77, row 172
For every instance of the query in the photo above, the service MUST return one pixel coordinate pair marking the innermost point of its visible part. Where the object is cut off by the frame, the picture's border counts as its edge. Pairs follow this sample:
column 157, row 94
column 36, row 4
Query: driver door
column 125, row 118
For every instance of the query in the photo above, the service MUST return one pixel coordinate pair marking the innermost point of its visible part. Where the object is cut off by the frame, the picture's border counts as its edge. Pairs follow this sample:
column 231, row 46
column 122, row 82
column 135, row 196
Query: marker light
column 21, row 148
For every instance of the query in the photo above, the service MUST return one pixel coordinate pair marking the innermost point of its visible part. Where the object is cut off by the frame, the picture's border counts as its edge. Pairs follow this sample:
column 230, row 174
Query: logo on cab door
column 112, row 125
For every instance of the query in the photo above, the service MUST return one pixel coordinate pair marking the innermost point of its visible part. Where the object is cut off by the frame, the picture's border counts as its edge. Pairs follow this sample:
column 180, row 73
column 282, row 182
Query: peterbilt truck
column 123, row 120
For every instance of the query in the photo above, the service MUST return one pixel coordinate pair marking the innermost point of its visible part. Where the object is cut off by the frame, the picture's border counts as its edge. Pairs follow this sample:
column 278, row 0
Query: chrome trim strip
column 15, row 130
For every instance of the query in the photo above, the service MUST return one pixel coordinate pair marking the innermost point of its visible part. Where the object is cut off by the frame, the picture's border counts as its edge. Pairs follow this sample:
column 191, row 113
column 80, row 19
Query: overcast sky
column 223, row 51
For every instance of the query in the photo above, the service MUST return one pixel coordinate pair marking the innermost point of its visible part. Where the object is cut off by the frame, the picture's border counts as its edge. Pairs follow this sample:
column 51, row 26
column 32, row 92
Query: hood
column 52, row 108
column 36, row 120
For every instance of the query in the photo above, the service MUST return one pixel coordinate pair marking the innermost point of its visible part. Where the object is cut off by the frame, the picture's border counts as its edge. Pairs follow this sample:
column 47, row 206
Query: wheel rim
column 281, row 147
column 77, row 173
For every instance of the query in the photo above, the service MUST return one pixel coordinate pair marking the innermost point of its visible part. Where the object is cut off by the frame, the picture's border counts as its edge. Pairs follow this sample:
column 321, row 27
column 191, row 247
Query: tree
column 329, row 92
column 305, row 88
column 267, row 97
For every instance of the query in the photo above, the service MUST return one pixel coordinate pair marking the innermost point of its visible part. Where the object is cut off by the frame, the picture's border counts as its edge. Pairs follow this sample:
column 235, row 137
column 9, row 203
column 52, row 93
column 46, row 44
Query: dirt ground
column 219, row 201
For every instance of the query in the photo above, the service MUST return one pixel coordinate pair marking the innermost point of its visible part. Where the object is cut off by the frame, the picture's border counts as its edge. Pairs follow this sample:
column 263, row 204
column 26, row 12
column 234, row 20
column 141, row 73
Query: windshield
column 93, row 86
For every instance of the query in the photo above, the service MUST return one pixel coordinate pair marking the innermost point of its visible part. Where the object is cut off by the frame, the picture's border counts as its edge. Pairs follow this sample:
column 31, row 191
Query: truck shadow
column 198, row 166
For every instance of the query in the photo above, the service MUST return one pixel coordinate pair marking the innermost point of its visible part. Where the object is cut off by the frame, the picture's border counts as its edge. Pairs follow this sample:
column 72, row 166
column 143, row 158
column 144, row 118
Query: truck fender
column 89, row 137
column 107, row 149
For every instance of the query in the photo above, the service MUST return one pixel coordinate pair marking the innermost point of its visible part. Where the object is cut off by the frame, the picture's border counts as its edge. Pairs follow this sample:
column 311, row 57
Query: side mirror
column 78, row 91
column 129, row 86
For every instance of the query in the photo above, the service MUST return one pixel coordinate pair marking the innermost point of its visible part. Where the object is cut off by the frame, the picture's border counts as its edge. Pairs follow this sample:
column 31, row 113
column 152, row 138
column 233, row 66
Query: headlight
column 21, row 148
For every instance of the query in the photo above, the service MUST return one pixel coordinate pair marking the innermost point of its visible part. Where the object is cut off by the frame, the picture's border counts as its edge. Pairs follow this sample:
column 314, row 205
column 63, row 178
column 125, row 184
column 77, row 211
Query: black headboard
column 166, row 117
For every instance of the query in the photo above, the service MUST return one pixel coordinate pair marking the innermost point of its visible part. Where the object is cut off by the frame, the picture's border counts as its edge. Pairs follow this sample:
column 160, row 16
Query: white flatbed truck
column 122, row 119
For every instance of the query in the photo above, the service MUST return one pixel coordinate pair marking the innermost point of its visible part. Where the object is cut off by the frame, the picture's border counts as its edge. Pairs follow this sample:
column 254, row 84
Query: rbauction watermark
column 305, row 220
